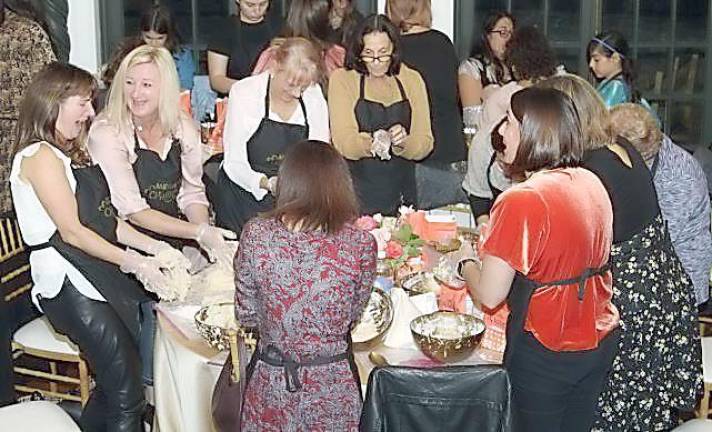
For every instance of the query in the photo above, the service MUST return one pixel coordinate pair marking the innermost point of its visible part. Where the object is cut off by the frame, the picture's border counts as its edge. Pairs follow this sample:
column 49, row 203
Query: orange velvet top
column 552, row 227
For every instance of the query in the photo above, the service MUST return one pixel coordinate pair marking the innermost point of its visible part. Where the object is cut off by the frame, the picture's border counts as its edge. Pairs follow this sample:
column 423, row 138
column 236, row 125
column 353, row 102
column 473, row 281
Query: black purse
column 230, row 387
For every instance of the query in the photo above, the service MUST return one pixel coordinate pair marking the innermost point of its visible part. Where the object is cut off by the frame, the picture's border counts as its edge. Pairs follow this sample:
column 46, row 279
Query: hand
column 212, row 240
column 398, row 135
column 148, row 272
column 198, row 261
column 169, row 257
column 272, row 185
column 381, row 144
column 461, row 256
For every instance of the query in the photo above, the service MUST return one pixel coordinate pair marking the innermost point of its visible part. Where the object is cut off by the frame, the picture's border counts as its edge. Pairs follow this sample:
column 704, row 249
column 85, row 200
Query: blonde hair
column 301, row 57
column 39, row 110
column 408, row 13
column 117, row 110
column 595, row 119
column 634, row 123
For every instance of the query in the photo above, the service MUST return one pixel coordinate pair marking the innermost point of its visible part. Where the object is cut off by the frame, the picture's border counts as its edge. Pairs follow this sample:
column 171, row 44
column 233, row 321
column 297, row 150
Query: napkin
column 404, row 311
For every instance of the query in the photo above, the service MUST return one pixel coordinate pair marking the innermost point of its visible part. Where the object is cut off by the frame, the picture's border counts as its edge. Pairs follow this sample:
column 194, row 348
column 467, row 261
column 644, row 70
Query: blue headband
column 605, row 44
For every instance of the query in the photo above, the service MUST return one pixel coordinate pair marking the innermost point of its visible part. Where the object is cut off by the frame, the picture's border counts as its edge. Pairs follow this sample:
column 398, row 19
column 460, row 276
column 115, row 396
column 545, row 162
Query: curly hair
column 529, row 55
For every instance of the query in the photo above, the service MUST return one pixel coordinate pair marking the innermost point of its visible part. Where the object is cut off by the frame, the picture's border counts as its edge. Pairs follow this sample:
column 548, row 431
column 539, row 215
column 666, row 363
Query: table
column 186, row 369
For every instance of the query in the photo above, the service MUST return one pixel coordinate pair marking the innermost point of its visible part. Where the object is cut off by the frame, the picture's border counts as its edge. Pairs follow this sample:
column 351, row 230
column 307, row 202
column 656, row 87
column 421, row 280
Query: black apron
column 234, row 206
column 383, row 186
column 122, row 292
column 159, row 182
column 518, row 301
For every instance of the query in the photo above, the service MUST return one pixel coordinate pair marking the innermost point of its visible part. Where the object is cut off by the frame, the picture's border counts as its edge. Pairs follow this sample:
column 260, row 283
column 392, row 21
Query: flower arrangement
column 395, row 238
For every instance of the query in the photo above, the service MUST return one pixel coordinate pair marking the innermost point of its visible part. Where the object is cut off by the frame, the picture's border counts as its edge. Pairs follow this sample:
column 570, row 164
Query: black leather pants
column 117, row 402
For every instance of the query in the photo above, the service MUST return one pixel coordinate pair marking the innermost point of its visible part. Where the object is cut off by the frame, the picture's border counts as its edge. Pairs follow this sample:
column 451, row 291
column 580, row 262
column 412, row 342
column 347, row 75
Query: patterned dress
column 659, row 367
column 302, row 290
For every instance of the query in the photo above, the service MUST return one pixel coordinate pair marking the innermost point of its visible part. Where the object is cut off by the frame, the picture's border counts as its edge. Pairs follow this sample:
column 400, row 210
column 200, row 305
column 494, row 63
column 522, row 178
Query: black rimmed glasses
column 503, row 33
column 377, row 59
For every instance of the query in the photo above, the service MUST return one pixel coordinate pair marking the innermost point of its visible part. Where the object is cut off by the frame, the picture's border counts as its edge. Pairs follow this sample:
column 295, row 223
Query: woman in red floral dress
column 303, row 275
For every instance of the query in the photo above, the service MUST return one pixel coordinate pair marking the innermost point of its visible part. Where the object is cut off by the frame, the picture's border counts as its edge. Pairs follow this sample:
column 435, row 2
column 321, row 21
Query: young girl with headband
column 610, row 61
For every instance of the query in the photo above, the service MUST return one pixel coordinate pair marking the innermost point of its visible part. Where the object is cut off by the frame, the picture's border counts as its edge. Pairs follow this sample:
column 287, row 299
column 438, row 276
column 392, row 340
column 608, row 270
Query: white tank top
column 47, row 266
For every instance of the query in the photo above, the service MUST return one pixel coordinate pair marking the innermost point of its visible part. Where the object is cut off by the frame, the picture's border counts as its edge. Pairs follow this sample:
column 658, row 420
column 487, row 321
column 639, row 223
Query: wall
column 83, row 23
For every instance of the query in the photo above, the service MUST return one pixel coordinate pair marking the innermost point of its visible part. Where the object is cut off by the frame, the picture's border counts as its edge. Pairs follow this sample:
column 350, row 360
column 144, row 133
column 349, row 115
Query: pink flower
column 366, row 223
column 394, row 250
column 382, row 236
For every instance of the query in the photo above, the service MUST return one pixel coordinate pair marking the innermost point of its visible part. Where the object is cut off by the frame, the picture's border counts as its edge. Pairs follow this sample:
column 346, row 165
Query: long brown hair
column 40, row 108
column 314, row 188
column 309, row 19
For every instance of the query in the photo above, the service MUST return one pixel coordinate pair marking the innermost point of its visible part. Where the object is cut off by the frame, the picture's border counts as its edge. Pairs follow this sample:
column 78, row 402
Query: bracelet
column 461, row 266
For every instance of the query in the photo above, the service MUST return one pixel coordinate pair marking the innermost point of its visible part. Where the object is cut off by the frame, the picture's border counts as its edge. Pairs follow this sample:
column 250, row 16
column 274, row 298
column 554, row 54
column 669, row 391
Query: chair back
column 454, row 398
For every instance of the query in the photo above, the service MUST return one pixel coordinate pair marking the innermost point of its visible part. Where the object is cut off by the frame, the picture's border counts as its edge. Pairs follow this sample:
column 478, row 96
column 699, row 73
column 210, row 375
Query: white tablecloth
column 185, row 372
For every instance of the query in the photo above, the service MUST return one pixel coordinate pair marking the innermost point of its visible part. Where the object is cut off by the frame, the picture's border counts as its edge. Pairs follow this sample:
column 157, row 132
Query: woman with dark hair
column 343, row 18
column 303, row 275
column 546, row 252
column 233, row 54
column 432, row 54
column 486, row 66
column 78, row 263
column 531, row 59
column 380, row 117
column 266, row 114
column 657, row 371
column 158, row 29
column 308, row 19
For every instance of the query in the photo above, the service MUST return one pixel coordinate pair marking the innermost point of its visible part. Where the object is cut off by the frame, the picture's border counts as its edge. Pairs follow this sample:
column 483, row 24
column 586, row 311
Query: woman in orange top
column 546, row 252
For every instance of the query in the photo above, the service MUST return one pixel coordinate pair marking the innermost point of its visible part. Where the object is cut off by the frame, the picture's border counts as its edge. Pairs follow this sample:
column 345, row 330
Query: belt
column 38, row 247
column 273, row 356
column 580, row 279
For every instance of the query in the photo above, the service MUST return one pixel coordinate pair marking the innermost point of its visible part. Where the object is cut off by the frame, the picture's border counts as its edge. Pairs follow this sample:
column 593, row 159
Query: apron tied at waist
column 580, row 279
column 273, row 356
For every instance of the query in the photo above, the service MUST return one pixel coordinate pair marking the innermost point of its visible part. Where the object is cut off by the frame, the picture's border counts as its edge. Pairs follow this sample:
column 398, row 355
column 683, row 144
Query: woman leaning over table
column 380, row 118
column 657, row 371
column 546, row 252
column 266, row 114
column 150, row 152
column 303, row 275
column 78, row 266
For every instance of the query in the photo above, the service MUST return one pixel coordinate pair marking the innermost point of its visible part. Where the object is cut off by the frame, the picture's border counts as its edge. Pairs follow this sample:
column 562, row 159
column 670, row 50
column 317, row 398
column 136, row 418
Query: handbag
column 227, row 394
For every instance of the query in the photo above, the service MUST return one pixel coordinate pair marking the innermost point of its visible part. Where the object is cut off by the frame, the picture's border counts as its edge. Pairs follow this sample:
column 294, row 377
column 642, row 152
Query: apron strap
column 38, row 247
column 269, row 81
column 400, row 88
column 273, row 356
column 656, row 162
column 580, row 279
column 495, row 192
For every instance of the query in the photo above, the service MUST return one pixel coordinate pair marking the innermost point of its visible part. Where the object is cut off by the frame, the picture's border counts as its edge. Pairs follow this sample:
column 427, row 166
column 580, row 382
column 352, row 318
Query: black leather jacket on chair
column 456, row 398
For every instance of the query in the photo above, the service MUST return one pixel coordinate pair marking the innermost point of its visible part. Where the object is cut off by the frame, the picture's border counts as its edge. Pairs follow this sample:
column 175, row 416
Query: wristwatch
column 461, row 266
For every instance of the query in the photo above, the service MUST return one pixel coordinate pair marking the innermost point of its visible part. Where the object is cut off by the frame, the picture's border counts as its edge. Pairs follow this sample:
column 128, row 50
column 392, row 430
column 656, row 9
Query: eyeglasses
column 503, row 33
column 377, row 59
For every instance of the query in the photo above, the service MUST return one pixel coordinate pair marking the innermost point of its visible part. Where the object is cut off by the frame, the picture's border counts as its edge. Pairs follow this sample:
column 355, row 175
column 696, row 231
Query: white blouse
column 245, row 110
column 47, row 266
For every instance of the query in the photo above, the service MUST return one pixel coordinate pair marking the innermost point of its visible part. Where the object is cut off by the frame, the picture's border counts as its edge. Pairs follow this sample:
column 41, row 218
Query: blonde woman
column 73, row 234
column 150, row 152
column 266, row 115
column 657, row 371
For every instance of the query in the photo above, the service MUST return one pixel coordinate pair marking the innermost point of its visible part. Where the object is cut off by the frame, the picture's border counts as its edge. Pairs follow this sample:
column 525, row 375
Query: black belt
column 37, row 247
column 273, row 356
column 581, row 279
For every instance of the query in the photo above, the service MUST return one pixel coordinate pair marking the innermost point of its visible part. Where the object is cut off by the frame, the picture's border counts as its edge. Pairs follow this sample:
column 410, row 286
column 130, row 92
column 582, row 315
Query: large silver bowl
column 447, row 336
column 375, row 320
column 217, row 336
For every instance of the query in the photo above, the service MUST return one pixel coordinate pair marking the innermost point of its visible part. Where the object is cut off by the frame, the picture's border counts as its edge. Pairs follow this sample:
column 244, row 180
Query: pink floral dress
column 302, row 290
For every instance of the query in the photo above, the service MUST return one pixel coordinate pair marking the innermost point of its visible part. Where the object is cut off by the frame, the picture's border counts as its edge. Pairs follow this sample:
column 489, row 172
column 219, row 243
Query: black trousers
column 557, row 391
column 117, row 402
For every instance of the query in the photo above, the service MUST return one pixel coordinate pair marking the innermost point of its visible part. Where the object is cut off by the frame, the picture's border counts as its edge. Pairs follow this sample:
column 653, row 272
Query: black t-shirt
column 432, row 54
column 631, row 190
column 242, row 43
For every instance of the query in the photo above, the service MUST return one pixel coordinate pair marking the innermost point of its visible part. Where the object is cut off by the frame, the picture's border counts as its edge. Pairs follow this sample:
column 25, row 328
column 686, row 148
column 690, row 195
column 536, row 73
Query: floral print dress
column 302, row 290
column 658, row 370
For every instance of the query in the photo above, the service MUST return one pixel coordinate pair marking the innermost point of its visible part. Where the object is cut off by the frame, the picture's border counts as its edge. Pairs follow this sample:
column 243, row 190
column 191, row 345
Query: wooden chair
column 38, row 340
